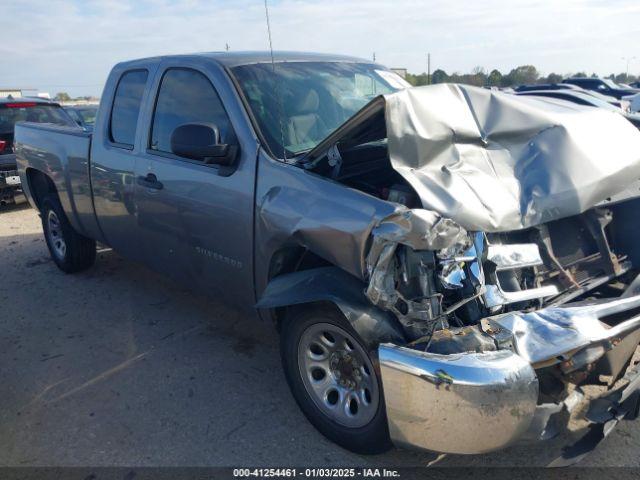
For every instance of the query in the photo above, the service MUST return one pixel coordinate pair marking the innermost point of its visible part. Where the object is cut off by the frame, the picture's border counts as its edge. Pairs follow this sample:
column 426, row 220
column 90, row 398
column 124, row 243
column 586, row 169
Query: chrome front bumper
column 472, row 403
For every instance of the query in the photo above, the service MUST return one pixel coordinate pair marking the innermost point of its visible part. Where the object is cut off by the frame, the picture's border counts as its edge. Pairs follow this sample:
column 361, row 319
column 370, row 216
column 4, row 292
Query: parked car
column 546, row 86
column 13, row 110
column 447, row 266
column 567, row 86
column 585, row 99
column 83, row 115
column 635, row 85
column 601, row 85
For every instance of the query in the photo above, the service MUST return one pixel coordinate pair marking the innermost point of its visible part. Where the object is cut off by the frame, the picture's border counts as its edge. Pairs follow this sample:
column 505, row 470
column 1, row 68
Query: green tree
column 553, row 78
column 522, row 75
column 411, row 78
column 622, row 78
column 478, row 77
column 62, row 97
column 495, row 78
column 439, row 76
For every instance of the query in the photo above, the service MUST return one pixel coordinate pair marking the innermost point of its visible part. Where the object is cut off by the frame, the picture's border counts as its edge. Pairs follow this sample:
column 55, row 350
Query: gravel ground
column 119, row 366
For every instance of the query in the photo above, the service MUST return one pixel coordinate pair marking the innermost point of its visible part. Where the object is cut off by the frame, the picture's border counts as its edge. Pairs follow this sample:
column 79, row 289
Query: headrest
column 308, row 103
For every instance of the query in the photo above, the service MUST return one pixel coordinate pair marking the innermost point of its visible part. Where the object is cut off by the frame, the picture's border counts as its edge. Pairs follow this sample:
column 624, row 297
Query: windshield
column 87, row 115
column 316, row 98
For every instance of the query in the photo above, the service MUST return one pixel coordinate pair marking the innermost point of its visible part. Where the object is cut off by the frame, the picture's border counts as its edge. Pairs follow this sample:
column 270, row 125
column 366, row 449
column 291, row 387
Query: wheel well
column 289, row 260
column 40, row 185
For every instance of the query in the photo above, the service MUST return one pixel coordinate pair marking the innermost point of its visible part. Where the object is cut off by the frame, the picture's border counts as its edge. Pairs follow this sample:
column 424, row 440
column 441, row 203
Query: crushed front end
column 514, row 336
column 511, row 262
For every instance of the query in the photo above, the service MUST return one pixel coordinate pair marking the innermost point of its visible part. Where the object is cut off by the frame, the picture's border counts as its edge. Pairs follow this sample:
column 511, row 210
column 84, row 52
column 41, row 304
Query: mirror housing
column 201, row 141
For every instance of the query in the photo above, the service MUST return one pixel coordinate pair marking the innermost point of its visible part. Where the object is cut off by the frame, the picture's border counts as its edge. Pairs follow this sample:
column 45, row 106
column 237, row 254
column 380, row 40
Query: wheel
column 333, row 379
column 70, row 251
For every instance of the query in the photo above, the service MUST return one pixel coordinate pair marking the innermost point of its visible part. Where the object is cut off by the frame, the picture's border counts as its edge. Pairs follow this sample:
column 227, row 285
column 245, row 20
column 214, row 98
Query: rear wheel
column 333, row 379
column 70, row 251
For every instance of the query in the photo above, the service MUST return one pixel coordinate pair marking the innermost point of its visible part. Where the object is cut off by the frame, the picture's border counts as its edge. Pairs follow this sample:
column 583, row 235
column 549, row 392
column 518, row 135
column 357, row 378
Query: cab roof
column 234, row 59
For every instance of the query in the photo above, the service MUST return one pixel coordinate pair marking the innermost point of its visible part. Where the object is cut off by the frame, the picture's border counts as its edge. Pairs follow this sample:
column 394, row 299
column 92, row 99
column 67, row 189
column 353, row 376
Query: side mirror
column 201, row 141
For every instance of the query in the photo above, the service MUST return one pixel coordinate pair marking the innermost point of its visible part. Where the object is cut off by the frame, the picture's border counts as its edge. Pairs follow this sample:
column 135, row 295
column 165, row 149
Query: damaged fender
column 345, row 291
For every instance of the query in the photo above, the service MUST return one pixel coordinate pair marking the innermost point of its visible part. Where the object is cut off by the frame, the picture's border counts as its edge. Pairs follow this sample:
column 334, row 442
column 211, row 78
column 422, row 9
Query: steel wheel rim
column 338, row 375
column 54, row 231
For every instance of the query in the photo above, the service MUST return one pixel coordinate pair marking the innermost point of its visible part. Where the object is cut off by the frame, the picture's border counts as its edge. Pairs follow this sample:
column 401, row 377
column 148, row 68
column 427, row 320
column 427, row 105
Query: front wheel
column 70, row 251
column 333, row 379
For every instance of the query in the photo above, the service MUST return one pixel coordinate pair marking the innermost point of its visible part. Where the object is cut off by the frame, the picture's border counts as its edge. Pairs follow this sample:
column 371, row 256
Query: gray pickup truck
column 450, row 268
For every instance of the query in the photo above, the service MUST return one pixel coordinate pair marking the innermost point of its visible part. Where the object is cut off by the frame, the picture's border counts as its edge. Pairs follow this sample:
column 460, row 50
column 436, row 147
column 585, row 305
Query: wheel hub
column 346, row 368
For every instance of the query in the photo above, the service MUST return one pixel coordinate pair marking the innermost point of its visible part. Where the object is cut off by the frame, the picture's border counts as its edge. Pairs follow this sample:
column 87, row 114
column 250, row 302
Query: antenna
column 277, row 84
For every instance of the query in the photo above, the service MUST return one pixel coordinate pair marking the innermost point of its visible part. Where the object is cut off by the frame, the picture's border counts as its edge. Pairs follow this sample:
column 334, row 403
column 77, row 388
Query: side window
column 126, row 106
column 186, row 96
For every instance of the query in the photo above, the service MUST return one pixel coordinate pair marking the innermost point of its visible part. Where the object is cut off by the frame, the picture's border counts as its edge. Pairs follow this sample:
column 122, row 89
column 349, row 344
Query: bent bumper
column 463, row 403
column 472, row 403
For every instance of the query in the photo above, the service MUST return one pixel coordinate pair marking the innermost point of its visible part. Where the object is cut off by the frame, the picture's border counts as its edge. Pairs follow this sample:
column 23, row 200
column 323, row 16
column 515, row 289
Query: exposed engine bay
column 441, row 295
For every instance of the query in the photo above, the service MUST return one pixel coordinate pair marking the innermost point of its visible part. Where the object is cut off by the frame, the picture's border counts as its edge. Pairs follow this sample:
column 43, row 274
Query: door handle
column 150, row 181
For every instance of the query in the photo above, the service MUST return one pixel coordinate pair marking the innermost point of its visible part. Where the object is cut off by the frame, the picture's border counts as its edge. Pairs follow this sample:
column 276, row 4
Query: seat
column 305, row 126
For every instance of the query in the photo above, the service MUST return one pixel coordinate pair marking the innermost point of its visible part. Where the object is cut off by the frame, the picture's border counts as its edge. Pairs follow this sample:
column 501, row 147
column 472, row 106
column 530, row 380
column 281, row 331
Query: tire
column 350, row 372
column 70, row 251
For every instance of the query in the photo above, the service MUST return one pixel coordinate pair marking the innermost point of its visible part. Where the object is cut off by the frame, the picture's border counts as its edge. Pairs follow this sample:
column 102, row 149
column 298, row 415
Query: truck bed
column 62, row 153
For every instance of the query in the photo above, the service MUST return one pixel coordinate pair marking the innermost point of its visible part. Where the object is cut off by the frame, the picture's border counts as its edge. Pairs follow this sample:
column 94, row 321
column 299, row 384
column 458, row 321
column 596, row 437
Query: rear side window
column 126, row 106
column 186, row 96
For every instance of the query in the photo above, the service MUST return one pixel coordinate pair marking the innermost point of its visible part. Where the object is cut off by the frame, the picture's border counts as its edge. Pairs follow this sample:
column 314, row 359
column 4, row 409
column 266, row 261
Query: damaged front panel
column 497, row 162
column 421, row 231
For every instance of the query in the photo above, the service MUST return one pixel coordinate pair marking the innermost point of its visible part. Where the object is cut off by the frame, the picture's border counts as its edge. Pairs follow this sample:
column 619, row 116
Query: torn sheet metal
column 419, row 230
column 493, row 161
column 345, row 291
column 344, row 226
column 556, row 333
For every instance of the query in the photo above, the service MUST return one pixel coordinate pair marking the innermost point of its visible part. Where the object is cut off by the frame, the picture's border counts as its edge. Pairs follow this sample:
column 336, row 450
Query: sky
column 70, row 45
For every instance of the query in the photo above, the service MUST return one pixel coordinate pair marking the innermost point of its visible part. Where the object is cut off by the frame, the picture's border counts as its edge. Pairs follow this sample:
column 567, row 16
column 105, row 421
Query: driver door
column 195, row 218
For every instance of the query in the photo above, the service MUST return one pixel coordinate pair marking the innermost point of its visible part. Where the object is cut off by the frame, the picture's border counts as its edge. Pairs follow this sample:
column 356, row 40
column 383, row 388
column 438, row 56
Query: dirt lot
column 119, row 366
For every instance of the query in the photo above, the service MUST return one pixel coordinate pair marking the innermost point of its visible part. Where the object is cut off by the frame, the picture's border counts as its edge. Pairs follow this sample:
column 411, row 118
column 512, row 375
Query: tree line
column 522, row 75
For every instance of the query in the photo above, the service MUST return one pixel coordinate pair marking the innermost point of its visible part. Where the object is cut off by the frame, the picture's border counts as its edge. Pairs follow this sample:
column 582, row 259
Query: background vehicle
column 13, row 110
column 567, row 86
column 84, row 115
column 305, row 189
column 585, row 99
column 600, row 85
column 546, row 86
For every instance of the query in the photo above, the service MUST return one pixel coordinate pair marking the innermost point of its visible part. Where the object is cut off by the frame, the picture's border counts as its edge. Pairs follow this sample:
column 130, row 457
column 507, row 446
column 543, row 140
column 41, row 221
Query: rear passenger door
column 196, row 219
column 115, row 150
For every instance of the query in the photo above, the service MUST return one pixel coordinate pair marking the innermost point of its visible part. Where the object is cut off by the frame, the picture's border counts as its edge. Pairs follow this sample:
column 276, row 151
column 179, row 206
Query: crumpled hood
column 494, row 161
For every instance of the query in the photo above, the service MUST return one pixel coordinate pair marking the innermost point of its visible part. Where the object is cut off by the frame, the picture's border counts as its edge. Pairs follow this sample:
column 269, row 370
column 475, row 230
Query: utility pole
column 226, row 47
column 428, row 68
column 374, row 56
column 628, row 60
